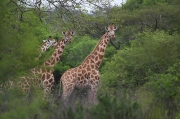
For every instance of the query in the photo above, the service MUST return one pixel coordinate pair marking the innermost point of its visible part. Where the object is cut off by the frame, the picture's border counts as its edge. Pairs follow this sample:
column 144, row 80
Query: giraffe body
column 87, row 74
column 40, row 78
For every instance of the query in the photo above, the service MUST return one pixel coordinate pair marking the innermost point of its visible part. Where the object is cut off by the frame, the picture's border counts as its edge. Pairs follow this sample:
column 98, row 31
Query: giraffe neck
column 55, row 57
column 97, row 54
column 44, row 47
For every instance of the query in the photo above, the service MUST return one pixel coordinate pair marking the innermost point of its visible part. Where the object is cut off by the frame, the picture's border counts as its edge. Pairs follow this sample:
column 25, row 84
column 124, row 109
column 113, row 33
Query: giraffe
column 43, row 75
column 48, row 43
column 86, row 75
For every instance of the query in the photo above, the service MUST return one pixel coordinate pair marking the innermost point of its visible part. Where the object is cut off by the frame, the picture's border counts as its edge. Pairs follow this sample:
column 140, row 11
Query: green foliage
column 136, row 4
column 33, row 106
column 165, row 88
column 148, row 18
column 150, row 52
column 81, row 47
column 14, row 105
column 110, row 51
column 19, row 42
column 153, row 59
column 107, row 108
column 133, row 4
column 113, row 108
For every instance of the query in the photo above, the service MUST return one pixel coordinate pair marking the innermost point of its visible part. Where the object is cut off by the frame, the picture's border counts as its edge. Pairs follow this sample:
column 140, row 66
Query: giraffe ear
column 115, row 28
column 63, row 33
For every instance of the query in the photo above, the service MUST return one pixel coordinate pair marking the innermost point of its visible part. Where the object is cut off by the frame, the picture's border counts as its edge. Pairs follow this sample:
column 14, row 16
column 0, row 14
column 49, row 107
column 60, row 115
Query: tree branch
column 116, row 47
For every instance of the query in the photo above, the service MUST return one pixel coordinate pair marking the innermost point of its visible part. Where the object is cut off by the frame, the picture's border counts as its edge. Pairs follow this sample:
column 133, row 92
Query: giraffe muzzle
column 70, row 41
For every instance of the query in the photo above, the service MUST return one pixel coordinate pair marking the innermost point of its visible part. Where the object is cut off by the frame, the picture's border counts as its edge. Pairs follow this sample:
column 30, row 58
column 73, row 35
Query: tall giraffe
column 43, row 75
column 86, row 75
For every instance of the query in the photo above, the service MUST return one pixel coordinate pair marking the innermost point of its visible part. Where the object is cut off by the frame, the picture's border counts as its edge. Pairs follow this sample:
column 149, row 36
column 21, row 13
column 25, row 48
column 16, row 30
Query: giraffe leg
column 68, row 86
column 67, row 90
column 92, row 95
column 94, row 81
column 48, row 83
column 47, row 91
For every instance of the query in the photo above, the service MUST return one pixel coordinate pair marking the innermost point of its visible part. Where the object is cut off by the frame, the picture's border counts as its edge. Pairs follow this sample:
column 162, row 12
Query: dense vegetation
column 140, row 73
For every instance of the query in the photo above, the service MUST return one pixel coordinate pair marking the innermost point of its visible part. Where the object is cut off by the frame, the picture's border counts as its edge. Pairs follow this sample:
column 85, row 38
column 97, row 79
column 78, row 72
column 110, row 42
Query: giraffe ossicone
column 87, row 75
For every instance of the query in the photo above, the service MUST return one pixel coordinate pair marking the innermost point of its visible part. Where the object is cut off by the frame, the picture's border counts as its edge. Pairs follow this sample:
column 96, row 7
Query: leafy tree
column 160, row 16
column 14, row 105
column 137, row 4
column 20, row 39
column 153, row 59
column 133, row 4
column 150, row 52
column 165, row 87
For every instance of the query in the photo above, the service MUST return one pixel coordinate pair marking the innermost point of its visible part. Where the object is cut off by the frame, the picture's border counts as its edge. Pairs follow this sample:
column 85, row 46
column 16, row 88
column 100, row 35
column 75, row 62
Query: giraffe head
column 68, row 36
column 111, row 30
column 50, row 42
